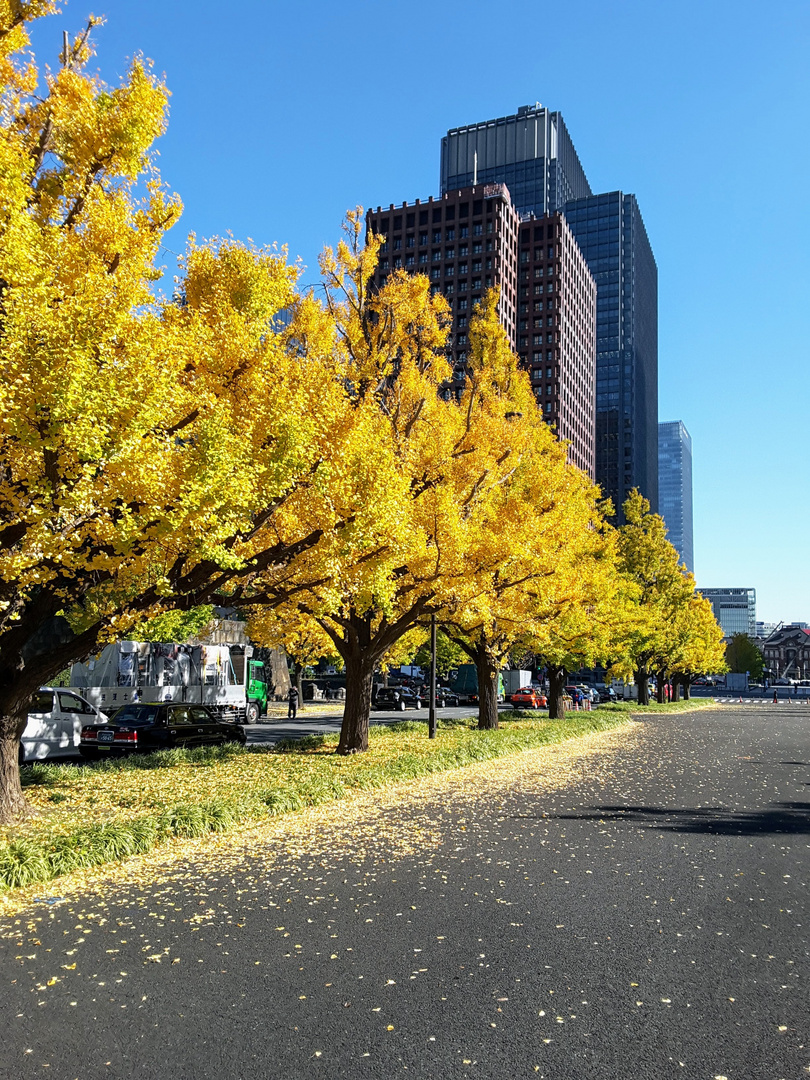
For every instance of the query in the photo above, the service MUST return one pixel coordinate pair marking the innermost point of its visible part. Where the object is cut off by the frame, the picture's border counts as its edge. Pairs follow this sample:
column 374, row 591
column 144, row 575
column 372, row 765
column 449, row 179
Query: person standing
column 292, row 699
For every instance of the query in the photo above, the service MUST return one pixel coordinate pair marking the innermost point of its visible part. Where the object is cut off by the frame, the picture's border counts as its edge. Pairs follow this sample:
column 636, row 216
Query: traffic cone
column 741, row 699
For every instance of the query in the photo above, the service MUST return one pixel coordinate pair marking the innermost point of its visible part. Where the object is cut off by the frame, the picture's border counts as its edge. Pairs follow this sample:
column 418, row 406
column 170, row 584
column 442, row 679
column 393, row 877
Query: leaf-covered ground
column 84, row 816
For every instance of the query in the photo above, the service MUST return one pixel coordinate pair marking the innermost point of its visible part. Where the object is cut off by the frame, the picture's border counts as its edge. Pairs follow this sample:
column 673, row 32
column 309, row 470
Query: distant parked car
column 55, row 719
column 145, row 728
column 529, row 698
column 397, row 697
column 607, row 694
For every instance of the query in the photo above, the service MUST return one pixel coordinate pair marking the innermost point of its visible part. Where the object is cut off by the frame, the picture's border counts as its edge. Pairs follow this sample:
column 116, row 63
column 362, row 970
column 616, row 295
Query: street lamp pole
column 432, row 705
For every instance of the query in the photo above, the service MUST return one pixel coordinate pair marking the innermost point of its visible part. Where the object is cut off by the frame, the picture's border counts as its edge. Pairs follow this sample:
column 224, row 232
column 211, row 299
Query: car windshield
column 136, row 714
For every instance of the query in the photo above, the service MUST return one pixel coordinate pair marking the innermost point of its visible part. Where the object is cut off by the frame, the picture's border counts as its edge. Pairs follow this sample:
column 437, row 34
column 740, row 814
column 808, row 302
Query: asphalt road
column 649, row 920
column 308, row 723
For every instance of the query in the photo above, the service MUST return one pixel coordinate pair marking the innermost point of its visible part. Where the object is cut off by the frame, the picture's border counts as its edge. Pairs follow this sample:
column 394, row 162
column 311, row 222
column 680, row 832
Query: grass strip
column 25, row 860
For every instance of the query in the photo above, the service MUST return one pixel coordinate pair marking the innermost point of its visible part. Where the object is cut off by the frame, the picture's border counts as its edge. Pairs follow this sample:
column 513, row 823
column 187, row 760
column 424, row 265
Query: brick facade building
column 473, row 239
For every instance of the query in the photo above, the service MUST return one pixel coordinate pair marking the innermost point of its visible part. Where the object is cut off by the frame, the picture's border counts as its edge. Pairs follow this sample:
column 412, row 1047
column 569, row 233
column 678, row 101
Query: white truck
column 224, row 677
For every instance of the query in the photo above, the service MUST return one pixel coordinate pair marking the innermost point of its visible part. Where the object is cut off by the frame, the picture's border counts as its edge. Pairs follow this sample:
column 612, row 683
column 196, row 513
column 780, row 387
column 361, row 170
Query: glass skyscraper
column 675, row 487
column 532, row 153
column 611, row 234
column 734, row 609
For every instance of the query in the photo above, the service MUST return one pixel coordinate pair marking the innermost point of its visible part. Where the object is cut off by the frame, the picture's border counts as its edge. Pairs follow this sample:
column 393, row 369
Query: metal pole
column 432, row 705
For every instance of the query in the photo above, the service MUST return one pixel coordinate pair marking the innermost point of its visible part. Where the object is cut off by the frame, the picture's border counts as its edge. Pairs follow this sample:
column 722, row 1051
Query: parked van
column 55, row 721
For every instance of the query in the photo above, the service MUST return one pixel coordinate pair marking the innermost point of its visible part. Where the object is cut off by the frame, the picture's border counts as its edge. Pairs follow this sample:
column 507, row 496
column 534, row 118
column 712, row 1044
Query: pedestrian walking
column 775, row 696
column 292, row 698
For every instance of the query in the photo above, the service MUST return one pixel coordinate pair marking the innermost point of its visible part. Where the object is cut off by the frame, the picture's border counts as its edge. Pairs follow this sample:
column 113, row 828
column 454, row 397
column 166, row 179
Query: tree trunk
column 642, row 675
column 298, row 671
column 661, row 687
column 487, row 688
column 556, row 686
column 687, row 688
column 354, row 729
column 12, row 802
column 676, row 688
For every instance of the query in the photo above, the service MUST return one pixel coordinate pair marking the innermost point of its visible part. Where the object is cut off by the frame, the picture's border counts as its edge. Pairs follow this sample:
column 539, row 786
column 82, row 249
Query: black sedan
column 146, row 728
column 397, row 697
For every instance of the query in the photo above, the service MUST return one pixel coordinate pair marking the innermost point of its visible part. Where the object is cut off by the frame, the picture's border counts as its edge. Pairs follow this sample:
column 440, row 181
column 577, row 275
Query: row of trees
column 165, row 453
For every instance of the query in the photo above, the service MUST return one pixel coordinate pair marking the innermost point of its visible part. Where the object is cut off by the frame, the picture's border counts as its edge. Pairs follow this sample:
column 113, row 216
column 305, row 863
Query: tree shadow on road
column 782, row 817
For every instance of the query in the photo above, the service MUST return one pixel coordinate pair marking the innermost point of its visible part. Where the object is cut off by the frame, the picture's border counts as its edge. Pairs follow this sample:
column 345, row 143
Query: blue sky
column 285, row 115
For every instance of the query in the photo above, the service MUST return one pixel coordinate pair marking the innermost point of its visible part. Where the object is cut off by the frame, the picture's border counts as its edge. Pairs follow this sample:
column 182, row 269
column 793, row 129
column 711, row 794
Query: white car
column 55, row 721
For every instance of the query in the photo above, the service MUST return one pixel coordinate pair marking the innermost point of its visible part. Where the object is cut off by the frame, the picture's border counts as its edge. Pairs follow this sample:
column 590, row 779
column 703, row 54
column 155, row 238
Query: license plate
column 106, row 736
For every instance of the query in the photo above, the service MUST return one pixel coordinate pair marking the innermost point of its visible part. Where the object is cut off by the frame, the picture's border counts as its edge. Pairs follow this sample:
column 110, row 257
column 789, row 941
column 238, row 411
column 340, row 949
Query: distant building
column 765, row 629
column 734, row 609
column 787, row 652
column 675, row 487
column 472, row 239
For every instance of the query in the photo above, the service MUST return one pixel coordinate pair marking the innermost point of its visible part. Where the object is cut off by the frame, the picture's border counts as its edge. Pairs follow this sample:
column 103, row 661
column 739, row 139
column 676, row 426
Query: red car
column 529, row 698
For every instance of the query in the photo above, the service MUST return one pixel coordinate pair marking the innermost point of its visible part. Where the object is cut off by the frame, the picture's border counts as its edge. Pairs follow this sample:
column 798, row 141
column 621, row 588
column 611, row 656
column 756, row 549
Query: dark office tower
column 611, row 234
column 675, row 487
column 531, row 152
column 557, row 331
column 471, row 239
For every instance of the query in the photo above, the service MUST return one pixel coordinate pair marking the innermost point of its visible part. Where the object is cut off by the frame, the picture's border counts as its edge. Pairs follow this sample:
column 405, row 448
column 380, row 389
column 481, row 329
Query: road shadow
column 783, row 817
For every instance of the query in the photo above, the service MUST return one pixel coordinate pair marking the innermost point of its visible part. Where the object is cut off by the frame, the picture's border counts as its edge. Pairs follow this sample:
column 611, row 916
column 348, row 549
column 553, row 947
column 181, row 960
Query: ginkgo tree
column 530, row 537
column 147, row 445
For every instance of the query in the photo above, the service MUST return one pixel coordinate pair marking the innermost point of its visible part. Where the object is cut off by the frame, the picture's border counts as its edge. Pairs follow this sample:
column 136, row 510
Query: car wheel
column 418, row 703
column 252, row 712
column 402, row 705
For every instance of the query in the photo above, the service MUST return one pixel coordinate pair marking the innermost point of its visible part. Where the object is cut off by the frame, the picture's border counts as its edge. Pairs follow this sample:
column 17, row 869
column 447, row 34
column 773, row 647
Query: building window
column 524, row 255
column 436, row 256
column 462, row 339
column 422, row 239
column 397, row 262
column 383, row 280
column 548, row 406
column 409, row 260
column 464, row 232
column 538, row 271
column 450, row 253
column 538, row 339
column 550, row 338
column 462, row 320
column 462, row 286
column 437, row 236
column 384, row 246
column 449, row 271
column 477, row 230
column 410, row 242
column 477, row 248
column 422, row 256
column 489, row 226
column 451, row 234
column 476, row 267
column 462, row 305
column 462, row 251
column 435, row 274
column 383, row 264
column 398, row 243
column 462, row 268
column 476, row 283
